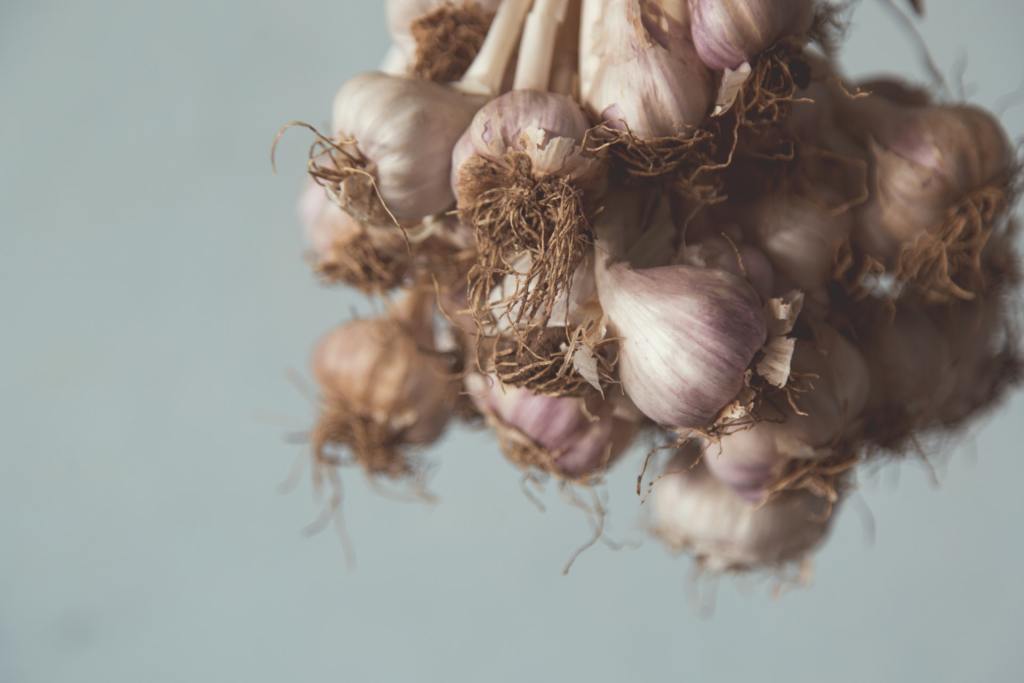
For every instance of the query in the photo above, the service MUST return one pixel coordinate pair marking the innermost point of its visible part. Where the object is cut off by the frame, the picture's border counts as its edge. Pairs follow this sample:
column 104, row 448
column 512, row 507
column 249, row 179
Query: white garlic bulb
column 728, row 33
column 398, row 134
column 695, row 512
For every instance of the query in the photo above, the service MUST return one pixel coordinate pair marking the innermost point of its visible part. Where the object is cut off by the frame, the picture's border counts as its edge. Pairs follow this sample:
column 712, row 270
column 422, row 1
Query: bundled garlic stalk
column 570, row 438
column 437, row 40
column 384, row 388
column 695, row 512
column 942, row 186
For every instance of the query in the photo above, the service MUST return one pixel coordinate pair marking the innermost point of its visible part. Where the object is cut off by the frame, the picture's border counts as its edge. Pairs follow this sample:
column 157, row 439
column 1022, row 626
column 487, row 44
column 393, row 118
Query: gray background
column 153, row 298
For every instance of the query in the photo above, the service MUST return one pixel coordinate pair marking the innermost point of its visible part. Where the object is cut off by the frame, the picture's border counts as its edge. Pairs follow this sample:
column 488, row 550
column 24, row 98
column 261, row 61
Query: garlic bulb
column 647, row 80
column 941, row 177
column 525, row 184
column 393, row 155
column 561, row 436
column 834, row 392
column 688, row 336
column 727, row 33
column 369, row 258
column 695, row 512
column 439, row 38
column 382, row 387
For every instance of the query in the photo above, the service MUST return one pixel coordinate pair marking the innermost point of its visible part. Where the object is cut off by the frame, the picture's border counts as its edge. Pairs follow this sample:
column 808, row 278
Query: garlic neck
column 537, row 49
column 487, row 71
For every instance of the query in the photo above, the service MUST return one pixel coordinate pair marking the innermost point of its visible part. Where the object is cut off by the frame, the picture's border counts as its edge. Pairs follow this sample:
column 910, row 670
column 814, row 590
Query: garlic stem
column 565, row 71
column 487, row 71
column 537, row 49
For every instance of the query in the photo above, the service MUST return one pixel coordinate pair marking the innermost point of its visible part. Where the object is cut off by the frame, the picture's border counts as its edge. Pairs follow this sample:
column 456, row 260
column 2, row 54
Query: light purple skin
column 557, row 424
column 719, row 26
column 688, row 336
column 746, row 462
column 496, row 127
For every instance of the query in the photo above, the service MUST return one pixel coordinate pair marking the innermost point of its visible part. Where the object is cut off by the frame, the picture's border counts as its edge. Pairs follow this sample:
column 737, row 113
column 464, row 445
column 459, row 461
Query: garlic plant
column 675, row 218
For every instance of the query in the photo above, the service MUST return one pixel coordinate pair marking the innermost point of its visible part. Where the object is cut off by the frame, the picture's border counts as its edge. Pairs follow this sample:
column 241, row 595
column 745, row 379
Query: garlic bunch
column 695, row 512
column 383, row 388
column 439, row 39
column 728, row 33
column 565, row 437
column 643, row 76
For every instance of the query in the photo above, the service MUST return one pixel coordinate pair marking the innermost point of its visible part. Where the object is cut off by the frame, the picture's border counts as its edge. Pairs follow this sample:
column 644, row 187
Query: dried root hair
column 542, row 360
column 361, row 264
column 448, row 40
column 348, row 177
column 377, row 448
column 514, row 215
column 827, row 478
column 946, row 265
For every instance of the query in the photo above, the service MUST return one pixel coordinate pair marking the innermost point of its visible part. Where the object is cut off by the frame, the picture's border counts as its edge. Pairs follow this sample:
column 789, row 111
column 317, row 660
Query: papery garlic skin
column 381, row 370
column 548, row 127
column 438, row 38
column 687, row 334
column 405, row 129
column 695, row 512
column 578, row 442
column 646, row 81
column 727, row 33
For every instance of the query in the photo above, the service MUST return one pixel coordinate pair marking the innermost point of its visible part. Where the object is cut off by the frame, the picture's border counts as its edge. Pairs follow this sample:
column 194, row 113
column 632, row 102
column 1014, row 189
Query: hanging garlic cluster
column 594, row 220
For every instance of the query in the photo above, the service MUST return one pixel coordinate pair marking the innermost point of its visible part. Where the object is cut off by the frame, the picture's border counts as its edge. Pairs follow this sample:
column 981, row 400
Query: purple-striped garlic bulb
column 728, row 33
column 566, row 437
column 687, row 337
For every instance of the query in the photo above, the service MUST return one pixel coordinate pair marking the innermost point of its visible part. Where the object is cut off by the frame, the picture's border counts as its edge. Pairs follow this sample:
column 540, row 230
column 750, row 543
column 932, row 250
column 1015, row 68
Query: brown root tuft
column 826, row 478
column 349, row 178
column 376, row 447
column 541, row 360
column 448, row 40
column 946, row 265
column 359, row 263
column 517, row 215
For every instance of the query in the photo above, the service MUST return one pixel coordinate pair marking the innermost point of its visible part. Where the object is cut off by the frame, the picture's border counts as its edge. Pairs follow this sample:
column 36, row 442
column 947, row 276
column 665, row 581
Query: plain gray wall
column 153, row 298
